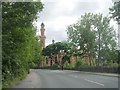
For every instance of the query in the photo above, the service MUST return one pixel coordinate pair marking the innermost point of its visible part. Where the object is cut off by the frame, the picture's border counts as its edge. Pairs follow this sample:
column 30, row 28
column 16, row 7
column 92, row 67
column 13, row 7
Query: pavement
column 40, row 78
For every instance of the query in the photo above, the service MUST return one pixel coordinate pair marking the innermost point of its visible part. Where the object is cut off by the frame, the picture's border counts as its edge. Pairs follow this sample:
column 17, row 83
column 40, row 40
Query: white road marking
column 94, row 82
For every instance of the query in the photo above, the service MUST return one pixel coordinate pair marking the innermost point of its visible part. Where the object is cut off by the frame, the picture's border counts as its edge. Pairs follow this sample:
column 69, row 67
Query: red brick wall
column 72, row 59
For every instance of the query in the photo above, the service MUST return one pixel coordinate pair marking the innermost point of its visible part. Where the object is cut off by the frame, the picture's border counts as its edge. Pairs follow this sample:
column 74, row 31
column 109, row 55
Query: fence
column 87, row 69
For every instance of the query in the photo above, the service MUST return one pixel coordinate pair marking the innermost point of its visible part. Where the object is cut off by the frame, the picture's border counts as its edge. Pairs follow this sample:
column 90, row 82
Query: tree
column 54, row 49
column 93, row 34
column 20, row 45
column 115, row 11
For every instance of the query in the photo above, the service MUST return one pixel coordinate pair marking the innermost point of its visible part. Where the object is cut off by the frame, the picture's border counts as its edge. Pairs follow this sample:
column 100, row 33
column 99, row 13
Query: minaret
column 53, row 41
column 42, row 35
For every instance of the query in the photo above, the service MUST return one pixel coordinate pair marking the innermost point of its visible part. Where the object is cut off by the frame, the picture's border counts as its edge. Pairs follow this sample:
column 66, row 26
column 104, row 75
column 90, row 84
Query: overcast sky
column 58, row 14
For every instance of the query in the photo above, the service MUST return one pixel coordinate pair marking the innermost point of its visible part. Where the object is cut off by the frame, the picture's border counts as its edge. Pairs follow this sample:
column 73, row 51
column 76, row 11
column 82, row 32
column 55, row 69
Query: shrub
column 66, row 65
column 80, row 63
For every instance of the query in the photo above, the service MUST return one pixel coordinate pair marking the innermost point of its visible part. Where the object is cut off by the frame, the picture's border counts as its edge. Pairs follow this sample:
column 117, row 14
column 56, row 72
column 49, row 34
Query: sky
column 57, row 15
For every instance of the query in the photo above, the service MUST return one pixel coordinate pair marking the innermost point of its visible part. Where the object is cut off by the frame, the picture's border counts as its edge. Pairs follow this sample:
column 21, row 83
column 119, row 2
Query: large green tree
column 20, row 45
column 54, row 49
column 94, row 34
column 115, row 11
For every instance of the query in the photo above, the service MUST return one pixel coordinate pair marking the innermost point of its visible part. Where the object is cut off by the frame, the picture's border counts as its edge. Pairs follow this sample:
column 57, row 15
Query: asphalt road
column 66, row 79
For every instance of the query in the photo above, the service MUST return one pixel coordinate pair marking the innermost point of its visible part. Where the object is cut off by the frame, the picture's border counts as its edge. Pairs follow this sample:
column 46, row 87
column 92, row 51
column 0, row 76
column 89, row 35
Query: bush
column 66, row 65
column 80, row 63
column 19, row 42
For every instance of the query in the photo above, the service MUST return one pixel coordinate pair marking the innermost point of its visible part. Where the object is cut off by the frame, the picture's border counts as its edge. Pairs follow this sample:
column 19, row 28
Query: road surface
column 66, row 79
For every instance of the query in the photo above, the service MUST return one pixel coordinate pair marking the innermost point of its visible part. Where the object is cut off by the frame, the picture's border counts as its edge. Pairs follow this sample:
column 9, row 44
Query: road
column 66, row 79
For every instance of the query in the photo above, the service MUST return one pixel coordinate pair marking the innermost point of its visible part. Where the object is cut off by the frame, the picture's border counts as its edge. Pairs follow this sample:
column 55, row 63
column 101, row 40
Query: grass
column 11, row 83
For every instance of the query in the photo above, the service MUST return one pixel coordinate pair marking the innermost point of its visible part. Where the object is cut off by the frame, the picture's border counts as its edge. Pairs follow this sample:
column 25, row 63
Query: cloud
column 54, row 35
column 58, row 14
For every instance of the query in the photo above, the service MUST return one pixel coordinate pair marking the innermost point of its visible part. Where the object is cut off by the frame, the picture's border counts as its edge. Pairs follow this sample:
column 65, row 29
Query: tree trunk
column 98, row 48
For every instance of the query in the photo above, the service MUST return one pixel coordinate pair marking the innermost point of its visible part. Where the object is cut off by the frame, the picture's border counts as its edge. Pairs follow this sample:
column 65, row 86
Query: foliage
column 54, row 48
column 66, row 58
column 66, row 65
column 93, row 34
column 115, row 11
column 20, row 46
column 80, row 63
